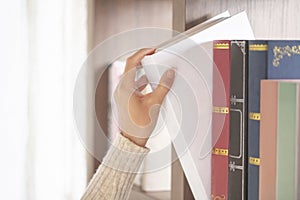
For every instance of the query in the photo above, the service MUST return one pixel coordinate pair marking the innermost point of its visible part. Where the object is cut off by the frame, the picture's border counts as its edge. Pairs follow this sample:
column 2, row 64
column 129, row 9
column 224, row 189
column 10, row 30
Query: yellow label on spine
column 254, row 116
column 222, row 110
column 254, row 161
column 221, row 46
column 258, row 47
column 220, row 152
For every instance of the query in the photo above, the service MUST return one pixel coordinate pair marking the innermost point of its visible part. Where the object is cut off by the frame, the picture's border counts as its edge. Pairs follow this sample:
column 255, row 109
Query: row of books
column 256, row 153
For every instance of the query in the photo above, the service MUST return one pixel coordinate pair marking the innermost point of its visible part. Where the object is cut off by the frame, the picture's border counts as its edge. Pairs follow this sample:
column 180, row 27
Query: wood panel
column 115, row 16
column 180, row 188
column 91, row 162
column 137, row 194
column 269, row 19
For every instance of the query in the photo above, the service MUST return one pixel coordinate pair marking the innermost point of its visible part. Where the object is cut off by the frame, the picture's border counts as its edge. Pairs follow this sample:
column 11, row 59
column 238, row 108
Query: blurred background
column 43, row 45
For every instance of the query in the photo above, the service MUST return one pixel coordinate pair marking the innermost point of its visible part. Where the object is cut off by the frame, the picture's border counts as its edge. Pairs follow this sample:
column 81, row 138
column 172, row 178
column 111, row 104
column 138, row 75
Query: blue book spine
column 257, row 63
column 284, row 59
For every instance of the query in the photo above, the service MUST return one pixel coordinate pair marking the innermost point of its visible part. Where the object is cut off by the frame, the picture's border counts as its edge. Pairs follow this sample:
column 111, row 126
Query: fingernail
column 171, row 73
column 151, row 49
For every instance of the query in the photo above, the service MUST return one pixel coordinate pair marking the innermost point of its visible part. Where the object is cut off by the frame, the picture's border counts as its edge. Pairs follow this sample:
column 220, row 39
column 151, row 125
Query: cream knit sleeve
column 114, row 177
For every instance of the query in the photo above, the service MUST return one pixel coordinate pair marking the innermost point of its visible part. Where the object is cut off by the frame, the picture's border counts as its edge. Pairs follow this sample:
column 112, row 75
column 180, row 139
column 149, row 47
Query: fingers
column 164, row 86
column 141, row 83
column 135, row 60
column 132, row 63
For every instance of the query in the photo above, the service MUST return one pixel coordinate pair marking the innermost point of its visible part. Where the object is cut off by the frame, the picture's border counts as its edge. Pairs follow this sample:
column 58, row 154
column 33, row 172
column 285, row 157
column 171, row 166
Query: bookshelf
column 269, row 20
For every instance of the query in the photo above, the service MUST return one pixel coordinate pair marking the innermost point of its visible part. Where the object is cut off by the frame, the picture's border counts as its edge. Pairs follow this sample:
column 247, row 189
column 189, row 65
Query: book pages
column 188, row 106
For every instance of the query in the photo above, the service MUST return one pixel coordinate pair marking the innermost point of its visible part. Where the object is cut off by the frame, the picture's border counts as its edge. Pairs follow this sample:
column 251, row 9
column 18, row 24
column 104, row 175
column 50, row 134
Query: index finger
column 135, row 60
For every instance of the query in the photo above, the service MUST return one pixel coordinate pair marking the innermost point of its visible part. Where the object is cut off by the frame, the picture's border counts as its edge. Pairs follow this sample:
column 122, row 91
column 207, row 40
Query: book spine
column 257, row 63
column 220, row 122
column 298, row 144
column 286, row 145
column 284, row 59
column 238, row 162
column 268, row 139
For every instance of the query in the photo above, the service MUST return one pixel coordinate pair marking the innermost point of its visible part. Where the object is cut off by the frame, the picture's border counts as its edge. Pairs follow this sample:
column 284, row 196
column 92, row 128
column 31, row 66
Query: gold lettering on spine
column 220, row 152
column 221, row 46
column 222, row 110
column 280, row 52
column 254, row 116
column 254, row 161
column 258, row 47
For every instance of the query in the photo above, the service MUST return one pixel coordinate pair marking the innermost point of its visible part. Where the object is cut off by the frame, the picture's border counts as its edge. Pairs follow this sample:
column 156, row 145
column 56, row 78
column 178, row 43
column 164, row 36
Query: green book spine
column 297, row 144
column 286, row 143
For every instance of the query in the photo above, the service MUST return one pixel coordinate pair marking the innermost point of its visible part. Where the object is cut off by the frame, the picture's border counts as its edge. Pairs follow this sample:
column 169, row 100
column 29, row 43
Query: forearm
column 114, row 178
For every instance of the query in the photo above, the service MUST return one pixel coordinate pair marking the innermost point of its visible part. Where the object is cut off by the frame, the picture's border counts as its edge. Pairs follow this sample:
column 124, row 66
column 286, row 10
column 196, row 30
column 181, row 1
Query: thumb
column 164, row 86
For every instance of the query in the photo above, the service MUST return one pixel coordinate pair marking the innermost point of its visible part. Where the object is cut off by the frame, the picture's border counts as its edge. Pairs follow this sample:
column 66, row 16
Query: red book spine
column 220, row 119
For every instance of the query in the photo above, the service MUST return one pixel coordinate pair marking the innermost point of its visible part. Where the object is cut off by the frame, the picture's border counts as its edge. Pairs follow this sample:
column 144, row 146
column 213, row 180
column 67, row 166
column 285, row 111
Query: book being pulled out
column 187, row 109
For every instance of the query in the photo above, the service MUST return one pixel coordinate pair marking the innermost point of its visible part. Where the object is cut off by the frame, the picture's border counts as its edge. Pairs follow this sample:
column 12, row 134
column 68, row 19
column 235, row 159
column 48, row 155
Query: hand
column 138, row 113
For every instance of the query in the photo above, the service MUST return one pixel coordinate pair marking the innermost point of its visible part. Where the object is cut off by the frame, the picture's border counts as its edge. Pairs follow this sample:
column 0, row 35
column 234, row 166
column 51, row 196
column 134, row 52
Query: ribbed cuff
column 125, row 156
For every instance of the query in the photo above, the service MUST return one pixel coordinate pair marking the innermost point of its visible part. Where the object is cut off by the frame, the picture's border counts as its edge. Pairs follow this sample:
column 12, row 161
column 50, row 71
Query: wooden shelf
column 137, row 194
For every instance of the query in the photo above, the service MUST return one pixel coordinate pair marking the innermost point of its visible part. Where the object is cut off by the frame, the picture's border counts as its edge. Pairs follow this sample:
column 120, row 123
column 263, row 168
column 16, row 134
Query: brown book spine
column 268, row 139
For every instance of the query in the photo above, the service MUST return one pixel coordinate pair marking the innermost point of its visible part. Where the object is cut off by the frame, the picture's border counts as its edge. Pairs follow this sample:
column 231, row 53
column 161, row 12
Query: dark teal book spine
column 284, row 59
column 257, row 71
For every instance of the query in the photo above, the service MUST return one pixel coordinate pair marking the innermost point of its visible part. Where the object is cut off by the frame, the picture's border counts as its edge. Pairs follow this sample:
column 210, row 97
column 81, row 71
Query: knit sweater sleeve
column 114, row 177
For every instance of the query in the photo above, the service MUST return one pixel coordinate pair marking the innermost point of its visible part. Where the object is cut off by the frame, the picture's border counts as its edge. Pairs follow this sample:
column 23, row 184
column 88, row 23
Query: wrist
column 136, row 140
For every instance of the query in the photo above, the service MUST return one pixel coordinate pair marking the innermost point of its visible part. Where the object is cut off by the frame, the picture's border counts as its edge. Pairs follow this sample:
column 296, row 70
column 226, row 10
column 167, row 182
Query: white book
column 158, row 177
column 190, row 98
